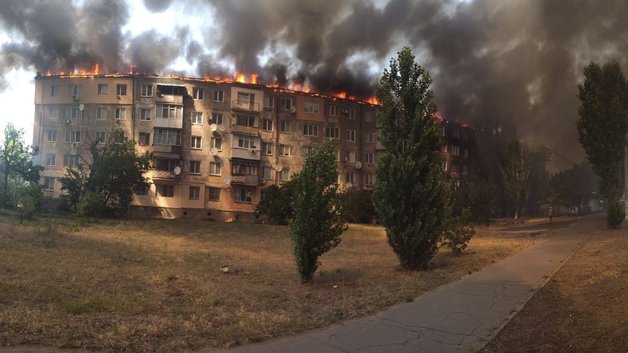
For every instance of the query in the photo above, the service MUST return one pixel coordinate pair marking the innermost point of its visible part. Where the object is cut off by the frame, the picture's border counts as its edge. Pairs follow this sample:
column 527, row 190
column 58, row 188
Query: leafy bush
column 616, row 214
column 28, row 199
column 458, row 233
column 357, row 206
column 277, row 203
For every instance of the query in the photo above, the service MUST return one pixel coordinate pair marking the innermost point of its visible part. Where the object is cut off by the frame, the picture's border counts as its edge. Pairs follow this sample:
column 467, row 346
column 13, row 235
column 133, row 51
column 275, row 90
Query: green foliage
column 517, row 176
column 458, row 232
column 572, row 187
column 16, row 164
column 28, row 199
column 616, row 213
column 602, row 128
column 317, row 223
column 277, row 203
column 357, row 206
column 104, row 184
column 410, row 191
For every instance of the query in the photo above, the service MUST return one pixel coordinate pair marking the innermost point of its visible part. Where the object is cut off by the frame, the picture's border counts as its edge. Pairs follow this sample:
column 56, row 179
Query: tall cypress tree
column 602, row 131
column 410, row 186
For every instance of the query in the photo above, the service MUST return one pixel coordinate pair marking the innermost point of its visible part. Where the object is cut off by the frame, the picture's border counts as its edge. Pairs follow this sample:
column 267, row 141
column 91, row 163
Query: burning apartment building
column 216, row 144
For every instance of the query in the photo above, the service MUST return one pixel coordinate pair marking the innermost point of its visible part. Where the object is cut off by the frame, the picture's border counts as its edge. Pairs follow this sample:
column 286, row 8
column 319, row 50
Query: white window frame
column 51, row 135
column 51, row 159
column 286, row 103
column 213, row 194
column 350, row 135
column 332, row 133
column 102, row 89
column 101, row 113
column 196, row 142
column 310, row 130
column 72, row 136
column 267, row 124
column 165, row 190
column 215, row 168
column 195, row 167
column 267, row 148
column 194, row 193
column 121, row 89
column 196, row 118
column 49, row 183
column 285, row 126
column 217, row 118
column 147, row 137
column 285, row 150
column 101, row 137
column 218, row 95
column 198, row 93
column 120, row 113
column 217, row 143
column 146, row 114
column 310, row 107
column 147, row 90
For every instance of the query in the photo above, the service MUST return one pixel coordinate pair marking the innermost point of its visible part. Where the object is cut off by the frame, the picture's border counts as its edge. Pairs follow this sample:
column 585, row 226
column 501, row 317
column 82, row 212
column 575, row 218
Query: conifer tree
column 410, row 192
column 317, row 223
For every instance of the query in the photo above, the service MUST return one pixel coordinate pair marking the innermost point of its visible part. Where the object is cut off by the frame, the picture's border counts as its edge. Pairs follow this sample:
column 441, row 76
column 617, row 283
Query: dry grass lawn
column 158, row 285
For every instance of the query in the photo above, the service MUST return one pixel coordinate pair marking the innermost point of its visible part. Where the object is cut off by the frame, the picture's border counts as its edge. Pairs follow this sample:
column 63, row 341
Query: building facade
column 216, row 145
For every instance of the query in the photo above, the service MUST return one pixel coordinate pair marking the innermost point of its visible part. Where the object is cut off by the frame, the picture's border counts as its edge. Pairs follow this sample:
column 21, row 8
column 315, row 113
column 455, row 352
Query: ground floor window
column 165, row 190
column 195, row 192
column 49, row 183
column 213, row 194
column 243, row 195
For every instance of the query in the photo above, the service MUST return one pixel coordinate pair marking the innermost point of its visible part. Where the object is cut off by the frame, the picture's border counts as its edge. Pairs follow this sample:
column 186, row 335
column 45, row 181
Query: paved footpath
column 459, row 317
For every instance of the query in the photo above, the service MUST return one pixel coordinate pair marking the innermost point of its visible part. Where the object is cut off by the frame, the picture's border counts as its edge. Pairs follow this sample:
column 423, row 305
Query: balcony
column 169, row 123
column 245, row 106
column 249, row 180
column 162, row 174
column 246, row 153
column 168, row 98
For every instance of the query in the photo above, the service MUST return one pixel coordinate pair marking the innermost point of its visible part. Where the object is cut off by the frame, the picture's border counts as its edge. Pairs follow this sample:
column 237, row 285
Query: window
column 285, row 103
column 72, row 113
column 217, row 118
column 245, row 100
column 243, row 195
column 169, row 111
column 350, row 156
column 213, row 194
column 350, row 135
column 268, row 101
column 217, row 143
column 370, row 179
column 144, row 139
column 219, row 96
column 285, row 126
column 50, row 159
column 369, row 157
column 54, row 91
column 349, row 113
column 165, row 164
column 145, row 114
column 241, row 167
column 165, row 136
column 267, row 172
column 369, row 116
column 332, row 110
column 455, row 150
column 267, row 124
column 101, row 113
column 49, row 183
column 120, row 113
column 349, row 178
column 194, row 193
column 121, row 90
column 196, row 142
column 101, row 137
column 370, row 137
column 74, row 91
column 332, row 133
column 195, row 167
column 197, row 93
column 215, row 168
column 267, row 148
column 71, row 160
column 72, row 136
column 165, row 190
column 245, row 120
column 52, row 135
column 307, row 150
column 102, row 89
column 284, row 174
column 147, row 90
column 55, row 113
column 310, row 130
column 143, row 190
column 284, row 150
column 310, row 107
column 197, row 118
column 240, row 141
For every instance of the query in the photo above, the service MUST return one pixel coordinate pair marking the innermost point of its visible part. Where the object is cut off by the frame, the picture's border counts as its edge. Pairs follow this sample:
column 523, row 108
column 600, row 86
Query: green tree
column 16, row 163
column 357, row 206
column 317, row 223
column 108, row 177
column 277, row 203
column 602, row 130
column 409, row 194
column 517, row 172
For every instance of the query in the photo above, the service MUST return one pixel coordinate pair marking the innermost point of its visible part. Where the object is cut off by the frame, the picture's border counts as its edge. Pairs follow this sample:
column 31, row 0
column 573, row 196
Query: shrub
column 616, row 213
column 277, row 203
column 458, row 233
column 357, row 206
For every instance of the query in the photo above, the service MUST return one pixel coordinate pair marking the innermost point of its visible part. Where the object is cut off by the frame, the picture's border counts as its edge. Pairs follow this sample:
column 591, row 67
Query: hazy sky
column 513, row 64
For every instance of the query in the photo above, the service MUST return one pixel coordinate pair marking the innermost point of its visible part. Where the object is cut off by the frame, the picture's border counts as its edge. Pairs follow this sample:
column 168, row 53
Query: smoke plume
column 513, row 64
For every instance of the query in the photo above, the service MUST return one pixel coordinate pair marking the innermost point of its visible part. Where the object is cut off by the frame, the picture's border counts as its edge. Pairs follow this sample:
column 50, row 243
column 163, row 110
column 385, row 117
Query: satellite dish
column 227, row 180
column 81, row 107
column 214, row 151
column 293, row 109
column 213, row 127
column 358, row 165
column 279, row 167
column 221, row 127
column 177, row 170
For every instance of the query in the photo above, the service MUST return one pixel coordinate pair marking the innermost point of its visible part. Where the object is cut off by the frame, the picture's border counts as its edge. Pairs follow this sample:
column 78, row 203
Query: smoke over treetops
column 508, row 63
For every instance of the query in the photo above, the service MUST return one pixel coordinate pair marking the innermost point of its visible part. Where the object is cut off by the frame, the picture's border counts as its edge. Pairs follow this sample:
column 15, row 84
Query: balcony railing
column 246, row 153
column 169, row 98
column 162, row 174
column 250, row 180
column 247, row 106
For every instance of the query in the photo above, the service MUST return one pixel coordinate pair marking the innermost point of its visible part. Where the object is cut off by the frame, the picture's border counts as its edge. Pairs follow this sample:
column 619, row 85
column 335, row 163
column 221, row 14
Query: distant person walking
column 550, row 212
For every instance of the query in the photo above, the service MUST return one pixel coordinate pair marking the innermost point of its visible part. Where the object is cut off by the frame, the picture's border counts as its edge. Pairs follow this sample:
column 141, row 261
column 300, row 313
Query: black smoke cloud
column 513, row 64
